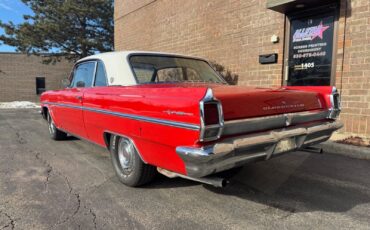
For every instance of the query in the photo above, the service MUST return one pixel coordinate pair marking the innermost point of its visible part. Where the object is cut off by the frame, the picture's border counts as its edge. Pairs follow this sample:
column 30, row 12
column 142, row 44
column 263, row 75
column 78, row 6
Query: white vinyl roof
column 118, row 68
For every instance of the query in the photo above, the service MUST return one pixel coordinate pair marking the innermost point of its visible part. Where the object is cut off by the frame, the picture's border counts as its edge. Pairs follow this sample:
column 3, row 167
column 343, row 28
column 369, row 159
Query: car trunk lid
column 240, row 102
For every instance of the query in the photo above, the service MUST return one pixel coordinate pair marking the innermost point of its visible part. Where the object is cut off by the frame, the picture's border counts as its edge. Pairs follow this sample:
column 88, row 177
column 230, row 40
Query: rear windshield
column 166, row 69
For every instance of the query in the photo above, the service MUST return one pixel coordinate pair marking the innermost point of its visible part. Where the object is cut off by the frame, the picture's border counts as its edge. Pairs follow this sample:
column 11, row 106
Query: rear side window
column 83, row 75
column 100, row 77
column 143, row 72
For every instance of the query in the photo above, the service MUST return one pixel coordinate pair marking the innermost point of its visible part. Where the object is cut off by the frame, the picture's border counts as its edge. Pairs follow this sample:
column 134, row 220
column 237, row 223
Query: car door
column 96, row 98
column 71, row 113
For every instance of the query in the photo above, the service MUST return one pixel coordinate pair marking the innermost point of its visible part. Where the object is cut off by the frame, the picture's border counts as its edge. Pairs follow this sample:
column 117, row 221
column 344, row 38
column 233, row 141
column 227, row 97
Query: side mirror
column 80, row 84
column 66, row 83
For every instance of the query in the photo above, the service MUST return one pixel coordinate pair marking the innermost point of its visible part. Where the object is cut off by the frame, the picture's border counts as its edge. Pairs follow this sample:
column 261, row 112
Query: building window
column 40, row 85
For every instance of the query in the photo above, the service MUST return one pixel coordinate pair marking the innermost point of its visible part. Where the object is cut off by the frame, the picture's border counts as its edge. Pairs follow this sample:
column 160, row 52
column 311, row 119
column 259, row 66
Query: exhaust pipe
column 214, row 181
column 313, row 150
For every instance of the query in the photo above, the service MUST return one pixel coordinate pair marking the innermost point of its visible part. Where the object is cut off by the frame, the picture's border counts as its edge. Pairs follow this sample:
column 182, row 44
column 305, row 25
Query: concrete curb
column 345, row 150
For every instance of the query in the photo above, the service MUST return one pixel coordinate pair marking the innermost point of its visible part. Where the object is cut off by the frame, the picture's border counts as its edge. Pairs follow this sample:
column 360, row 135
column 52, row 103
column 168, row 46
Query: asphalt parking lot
column 71, row 185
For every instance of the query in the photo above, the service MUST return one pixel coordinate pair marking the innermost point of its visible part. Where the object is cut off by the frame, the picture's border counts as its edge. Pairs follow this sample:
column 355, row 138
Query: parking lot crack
column 91, row 211
column 49, row 169
column 70, row 189
column 20, row 139
column 78, row 201
column 11, row 222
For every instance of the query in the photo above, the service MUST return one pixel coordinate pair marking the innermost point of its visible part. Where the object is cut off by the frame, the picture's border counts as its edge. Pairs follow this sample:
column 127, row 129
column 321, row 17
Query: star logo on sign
column 319, row 30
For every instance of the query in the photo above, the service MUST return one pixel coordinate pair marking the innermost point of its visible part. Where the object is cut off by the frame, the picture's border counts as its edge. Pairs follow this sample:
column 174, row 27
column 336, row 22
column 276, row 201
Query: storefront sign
column 310, row 50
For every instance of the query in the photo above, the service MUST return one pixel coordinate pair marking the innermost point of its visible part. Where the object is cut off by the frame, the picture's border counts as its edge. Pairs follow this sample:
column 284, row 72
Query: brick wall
column 18, row 74
column 353, row 71
column 235, row 32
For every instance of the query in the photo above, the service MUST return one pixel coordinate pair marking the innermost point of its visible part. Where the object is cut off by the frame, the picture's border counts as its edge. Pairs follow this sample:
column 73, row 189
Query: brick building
column 25, row 77
column 317, row 42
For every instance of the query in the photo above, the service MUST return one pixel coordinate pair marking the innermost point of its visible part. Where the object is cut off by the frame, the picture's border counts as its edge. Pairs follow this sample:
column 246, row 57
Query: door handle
column 79, row 98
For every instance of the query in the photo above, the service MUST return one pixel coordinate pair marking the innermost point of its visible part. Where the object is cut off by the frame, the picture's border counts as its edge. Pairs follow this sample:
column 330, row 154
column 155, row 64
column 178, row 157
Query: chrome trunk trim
column 272, row 122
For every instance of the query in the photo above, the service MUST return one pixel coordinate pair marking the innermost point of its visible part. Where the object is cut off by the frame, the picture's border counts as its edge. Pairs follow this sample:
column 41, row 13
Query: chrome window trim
column 132, row 117
column 94, row 74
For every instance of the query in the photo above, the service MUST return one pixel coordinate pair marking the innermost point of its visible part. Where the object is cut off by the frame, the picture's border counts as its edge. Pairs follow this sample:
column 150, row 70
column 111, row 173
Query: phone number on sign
column 306, row 55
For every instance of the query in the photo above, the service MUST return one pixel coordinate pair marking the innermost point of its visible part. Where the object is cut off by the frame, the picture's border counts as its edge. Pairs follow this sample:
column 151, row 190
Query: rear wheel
column 129, row 167
column 55, row 133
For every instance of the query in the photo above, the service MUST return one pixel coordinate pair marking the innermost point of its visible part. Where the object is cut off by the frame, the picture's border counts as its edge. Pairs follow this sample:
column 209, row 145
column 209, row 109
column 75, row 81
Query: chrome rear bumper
column 236, row 151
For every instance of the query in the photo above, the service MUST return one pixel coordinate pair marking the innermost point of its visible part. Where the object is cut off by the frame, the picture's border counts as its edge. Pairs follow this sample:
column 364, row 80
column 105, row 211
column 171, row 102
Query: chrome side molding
column 131, row 116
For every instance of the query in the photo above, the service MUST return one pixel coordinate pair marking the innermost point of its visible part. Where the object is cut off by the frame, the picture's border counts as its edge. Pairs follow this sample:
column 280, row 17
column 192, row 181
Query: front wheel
column 55, row 133
column 129, row 167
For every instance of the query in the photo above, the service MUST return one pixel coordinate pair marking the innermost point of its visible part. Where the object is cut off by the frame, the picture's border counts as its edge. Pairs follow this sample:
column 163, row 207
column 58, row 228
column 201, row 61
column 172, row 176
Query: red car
column 176, row 115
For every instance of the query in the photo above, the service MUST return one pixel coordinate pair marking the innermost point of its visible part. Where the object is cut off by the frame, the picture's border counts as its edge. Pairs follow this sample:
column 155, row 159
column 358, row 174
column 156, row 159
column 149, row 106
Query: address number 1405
column 308, row 65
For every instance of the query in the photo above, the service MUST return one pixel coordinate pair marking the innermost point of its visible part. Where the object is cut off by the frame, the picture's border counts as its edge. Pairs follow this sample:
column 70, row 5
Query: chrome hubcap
column 126, row 152
column 51, row 126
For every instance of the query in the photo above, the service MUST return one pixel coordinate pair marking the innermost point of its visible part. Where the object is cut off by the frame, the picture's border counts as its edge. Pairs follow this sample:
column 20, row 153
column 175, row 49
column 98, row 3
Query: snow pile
column 18, row 105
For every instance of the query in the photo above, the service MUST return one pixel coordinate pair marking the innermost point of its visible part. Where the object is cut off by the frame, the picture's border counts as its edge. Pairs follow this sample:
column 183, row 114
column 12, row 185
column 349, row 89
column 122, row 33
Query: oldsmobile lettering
column 180, row 113
column 278, row 107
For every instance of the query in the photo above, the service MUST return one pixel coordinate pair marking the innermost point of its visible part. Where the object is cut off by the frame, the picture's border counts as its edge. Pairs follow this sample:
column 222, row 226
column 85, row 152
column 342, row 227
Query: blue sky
column 12, row 10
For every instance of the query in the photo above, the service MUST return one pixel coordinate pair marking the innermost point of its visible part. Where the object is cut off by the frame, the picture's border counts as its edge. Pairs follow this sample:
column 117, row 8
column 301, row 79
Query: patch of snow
column 18, row 105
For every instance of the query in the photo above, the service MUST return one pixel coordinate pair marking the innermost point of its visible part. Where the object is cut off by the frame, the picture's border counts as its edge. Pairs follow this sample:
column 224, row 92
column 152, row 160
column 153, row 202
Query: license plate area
column 285, row 145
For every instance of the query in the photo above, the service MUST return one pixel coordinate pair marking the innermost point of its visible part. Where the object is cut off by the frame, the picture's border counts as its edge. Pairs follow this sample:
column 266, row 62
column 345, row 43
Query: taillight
column 212, row 120
column 211, row 116
column 335, row 108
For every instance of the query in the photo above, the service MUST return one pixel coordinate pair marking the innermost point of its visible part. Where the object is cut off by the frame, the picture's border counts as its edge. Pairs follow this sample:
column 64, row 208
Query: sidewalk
column 346, row 150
